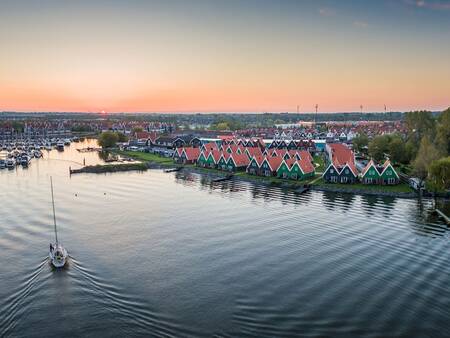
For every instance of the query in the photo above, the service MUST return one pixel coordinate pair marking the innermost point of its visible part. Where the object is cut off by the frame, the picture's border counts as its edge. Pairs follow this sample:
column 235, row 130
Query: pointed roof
column 192, row 153
column 253, row 151
column 216, row 155
column 370, row 164
column 259, row 159
column 388, row 164
column 240, row 160
column 274, row 162
column 305, row 165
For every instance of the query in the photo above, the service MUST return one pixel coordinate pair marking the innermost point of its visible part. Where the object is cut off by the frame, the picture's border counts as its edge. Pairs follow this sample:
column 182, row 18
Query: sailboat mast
column 54, row 215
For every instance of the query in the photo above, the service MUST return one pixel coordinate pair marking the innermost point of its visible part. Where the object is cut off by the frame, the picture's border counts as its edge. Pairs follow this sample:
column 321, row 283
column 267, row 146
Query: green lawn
column 274, row 180
column 318, row 160
column 138, row 155
column 402, row 187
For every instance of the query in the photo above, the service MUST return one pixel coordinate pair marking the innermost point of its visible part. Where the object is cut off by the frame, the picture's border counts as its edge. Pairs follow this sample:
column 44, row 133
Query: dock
column 302, row 190
column 221, row 179
column 171, row 170
column 444, row 216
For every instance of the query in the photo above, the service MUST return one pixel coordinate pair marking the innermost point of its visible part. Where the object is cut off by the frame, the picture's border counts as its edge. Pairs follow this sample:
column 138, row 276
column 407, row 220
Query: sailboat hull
column 58, row 255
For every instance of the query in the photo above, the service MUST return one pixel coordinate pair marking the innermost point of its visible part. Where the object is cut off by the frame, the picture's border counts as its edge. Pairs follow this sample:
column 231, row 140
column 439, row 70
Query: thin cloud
column 429, row 4
column 326, row 11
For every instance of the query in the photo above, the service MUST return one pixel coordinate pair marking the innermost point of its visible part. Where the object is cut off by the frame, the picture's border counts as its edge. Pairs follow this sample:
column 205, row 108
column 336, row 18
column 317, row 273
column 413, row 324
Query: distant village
column 292, row 150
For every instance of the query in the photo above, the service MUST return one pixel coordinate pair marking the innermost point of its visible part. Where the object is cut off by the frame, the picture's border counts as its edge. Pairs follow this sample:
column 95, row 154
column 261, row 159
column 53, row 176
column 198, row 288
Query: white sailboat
column 58, row 254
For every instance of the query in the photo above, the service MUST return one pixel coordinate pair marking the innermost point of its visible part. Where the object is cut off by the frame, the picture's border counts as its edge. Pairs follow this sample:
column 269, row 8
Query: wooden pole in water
column 54, row 214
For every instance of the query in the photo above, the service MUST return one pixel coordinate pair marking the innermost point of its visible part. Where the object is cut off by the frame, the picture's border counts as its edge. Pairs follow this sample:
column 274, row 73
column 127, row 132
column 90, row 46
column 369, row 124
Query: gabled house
column 306, row 167
column 165, row 141
column 269, row 166
column 177, row 155
column 210, row 146
column 331, row 174
column 254, row 167
column 284, row 169
column 389, row 176
column 202, row 159
column 341, row 168
column 223, row 160
column 237, row 162
column 370, row 174
column 253, row 151
column 212, row 159
column 348, row 173
column 189, row 155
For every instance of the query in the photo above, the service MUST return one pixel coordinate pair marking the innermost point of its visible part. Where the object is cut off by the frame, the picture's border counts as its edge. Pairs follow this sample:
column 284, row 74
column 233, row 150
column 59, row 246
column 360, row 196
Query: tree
column 122, row 137
column 108, row 139
column 17, row 126
column 360, row 142
column 397, row 150
column 440, row 174
column 137, row 129
column 378, row 147
column 427, row 153
column 443, row 132
column 420, row 124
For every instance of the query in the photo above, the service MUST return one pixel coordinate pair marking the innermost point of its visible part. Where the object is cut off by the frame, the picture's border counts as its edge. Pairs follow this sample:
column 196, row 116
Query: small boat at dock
column 60, row 145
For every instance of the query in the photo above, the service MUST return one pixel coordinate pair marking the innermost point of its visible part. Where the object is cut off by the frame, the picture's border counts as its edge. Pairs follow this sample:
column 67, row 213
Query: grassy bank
column 319, row 163
column 274, row 180
column 148, row 157
column 110, row 168
column 399, row 188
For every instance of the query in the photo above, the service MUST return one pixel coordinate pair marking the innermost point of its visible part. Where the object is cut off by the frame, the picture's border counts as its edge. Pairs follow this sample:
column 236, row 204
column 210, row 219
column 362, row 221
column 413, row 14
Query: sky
column 224, row 56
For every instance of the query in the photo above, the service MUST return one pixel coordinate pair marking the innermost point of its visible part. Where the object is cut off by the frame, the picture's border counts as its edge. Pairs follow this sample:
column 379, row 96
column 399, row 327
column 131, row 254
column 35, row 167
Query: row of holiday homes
column 283, row 163
column 292, row 164
column 173, row 142
column 342, row 168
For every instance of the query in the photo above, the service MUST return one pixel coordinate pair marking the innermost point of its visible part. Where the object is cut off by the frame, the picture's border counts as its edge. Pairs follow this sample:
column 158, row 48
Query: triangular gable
column 351, row 169
column 331, row 165
column 369, row 165
column 386, row 165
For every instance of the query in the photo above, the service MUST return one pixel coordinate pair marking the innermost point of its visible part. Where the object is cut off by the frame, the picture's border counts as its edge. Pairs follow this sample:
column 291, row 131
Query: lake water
column 157, row 254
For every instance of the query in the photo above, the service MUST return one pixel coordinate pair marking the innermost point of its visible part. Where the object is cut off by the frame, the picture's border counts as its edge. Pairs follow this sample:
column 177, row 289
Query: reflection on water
column 175, row 254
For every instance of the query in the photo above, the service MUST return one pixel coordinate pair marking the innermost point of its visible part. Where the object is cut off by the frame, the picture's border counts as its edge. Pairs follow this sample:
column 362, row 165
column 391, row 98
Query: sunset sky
column 231, row 56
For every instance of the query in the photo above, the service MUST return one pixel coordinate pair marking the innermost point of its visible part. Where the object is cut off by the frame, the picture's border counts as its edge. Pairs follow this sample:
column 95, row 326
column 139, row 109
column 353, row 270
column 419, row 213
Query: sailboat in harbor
column 58, row 254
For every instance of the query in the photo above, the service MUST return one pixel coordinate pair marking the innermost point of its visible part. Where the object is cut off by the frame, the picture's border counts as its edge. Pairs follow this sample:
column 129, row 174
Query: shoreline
column 269, row 182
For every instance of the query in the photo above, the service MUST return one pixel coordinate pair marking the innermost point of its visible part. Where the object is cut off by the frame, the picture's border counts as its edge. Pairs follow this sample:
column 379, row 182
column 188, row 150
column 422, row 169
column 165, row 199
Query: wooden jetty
column 444, row 216
column 171, row 170
column 302, row 190
column 221, row 179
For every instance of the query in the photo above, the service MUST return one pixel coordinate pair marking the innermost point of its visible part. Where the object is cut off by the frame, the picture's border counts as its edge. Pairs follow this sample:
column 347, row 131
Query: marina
column 22, row 152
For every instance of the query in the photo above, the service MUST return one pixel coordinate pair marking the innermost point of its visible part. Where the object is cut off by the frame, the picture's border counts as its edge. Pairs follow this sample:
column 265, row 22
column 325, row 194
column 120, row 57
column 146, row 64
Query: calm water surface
column 156, row 254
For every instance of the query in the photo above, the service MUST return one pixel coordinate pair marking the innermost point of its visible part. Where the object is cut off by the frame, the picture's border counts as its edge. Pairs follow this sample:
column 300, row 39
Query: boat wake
column 134, row 316
column 16, row 305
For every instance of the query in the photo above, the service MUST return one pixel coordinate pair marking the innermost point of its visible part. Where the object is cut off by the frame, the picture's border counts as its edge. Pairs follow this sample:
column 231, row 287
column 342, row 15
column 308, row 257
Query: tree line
column 423, row 152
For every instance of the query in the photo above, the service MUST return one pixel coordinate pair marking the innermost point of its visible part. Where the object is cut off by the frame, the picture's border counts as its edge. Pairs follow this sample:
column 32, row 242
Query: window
column 333, row 179
column 285, row 175
column 343, row 179
column 331, row 171
column 294, row 176
column 388, row 172
column 346, row 171
column 391, row 180
column 369, row 180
